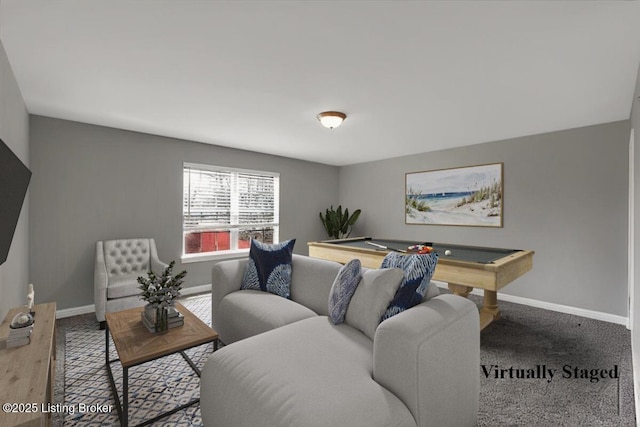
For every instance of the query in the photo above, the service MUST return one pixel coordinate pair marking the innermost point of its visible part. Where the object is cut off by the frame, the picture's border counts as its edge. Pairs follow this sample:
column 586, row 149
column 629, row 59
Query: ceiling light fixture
column 331, row 119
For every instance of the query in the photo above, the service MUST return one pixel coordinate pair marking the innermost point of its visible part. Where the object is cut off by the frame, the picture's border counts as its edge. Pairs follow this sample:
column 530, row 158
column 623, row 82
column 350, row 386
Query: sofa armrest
column 226, row 277
column 155, row 264
column 100, row 283
column 429, row 357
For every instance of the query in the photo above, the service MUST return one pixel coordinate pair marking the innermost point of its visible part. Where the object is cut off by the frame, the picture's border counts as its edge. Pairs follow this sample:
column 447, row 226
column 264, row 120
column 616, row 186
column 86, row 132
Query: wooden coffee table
column 136, row 345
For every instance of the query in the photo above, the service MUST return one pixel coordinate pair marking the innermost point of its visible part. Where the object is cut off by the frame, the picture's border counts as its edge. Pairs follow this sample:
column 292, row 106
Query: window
column 224, row 208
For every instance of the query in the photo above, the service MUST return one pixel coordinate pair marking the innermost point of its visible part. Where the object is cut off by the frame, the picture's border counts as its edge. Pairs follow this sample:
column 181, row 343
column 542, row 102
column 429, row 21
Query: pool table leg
column 489, row 310
column 461, row 290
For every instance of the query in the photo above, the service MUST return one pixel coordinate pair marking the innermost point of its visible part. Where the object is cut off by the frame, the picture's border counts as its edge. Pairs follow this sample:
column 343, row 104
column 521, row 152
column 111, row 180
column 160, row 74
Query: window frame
column 234, row 231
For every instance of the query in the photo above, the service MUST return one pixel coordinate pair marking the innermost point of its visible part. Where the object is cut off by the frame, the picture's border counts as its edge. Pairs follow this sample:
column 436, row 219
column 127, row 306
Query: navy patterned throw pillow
column 269, row 268
column 418, row 270
column 343, row 288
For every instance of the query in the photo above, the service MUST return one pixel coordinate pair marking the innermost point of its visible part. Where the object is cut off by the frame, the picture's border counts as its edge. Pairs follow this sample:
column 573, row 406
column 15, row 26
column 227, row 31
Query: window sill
column 190, row 258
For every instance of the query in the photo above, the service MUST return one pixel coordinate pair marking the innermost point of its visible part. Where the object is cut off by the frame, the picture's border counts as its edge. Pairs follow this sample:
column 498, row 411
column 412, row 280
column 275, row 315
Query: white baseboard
column 75, row 311
column 590, row 314
column 635, row 363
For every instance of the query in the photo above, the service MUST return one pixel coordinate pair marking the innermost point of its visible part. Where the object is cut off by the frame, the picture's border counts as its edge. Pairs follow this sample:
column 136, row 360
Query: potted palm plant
column 338, row 223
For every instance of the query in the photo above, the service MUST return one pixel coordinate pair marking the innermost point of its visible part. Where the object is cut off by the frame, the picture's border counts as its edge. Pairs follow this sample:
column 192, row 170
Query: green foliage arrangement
column 160, row 291
column 337, row 223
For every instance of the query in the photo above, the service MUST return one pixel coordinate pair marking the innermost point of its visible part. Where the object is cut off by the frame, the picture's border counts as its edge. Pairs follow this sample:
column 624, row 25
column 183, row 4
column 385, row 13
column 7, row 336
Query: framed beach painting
column 468, row 196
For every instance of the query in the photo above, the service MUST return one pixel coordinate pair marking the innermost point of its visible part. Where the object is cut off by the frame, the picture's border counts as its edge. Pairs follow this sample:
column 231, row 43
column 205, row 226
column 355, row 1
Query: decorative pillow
column 269, row 268
column 432, row 291
column 342, row 290
column 418, row 270
column 371, row 298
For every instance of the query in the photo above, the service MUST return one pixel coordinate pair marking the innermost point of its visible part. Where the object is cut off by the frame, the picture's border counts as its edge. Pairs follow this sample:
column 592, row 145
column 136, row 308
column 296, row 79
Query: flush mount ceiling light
column 331, row 119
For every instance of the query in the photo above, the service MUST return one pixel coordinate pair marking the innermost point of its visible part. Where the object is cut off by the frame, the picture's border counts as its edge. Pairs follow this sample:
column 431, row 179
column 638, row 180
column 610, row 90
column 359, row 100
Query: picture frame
column 464, row 196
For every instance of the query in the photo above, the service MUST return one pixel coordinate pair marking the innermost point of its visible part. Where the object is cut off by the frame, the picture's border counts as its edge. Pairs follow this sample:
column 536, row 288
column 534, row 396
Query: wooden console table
column 27, row 372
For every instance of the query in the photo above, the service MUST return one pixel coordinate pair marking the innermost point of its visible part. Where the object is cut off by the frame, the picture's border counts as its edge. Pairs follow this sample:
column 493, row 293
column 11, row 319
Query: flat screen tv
column 14, row 180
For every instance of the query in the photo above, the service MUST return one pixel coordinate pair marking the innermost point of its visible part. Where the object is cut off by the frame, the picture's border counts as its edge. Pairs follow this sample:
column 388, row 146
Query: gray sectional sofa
column 286, row 364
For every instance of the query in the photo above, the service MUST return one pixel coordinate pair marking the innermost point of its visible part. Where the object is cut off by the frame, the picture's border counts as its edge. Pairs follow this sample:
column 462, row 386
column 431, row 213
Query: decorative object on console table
column 159, row 292
column 31, row 296
column 20, row 330
column 470, row 196
column 19, row 337
column 337, row 223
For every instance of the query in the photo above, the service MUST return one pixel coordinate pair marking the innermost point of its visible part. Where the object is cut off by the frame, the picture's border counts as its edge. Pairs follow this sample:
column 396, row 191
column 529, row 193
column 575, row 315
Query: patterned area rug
column 154, row 387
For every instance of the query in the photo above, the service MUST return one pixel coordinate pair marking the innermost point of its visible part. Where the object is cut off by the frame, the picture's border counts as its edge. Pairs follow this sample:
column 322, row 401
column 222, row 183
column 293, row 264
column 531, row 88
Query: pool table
column 462, row 267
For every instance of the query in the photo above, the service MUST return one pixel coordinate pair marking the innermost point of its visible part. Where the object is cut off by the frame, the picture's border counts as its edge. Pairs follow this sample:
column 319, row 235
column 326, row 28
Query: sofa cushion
column 418, row 270
column 250, row 312
column 310, row 373
column 269, row 267
column 432, row 291
column 124, row 285
column 342, row 290
column 372, row 297
column 311, row 281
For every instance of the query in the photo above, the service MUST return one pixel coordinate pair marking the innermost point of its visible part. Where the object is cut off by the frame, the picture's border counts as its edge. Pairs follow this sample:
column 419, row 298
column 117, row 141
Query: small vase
column 162, row 320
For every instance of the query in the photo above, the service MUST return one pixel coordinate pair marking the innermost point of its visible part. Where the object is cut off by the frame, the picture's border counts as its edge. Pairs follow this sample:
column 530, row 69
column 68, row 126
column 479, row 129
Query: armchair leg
column 103, row 325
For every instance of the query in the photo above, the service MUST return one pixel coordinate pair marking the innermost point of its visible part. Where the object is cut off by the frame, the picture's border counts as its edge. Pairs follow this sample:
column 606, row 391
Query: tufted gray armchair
column 118, row 265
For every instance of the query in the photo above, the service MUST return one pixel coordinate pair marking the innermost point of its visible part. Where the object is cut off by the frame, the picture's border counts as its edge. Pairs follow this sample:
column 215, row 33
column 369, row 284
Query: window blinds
column 221, row 199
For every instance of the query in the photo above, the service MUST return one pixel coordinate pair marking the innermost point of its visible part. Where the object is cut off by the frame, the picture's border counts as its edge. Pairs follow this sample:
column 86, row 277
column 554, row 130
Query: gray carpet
column 531, row 338
column 525, row 338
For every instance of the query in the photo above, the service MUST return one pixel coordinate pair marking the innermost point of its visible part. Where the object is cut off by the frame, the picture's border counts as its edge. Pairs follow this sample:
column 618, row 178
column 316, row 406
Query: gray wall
column 14, row 131
column 93, row 183
column 565, row 197
column 635, row 326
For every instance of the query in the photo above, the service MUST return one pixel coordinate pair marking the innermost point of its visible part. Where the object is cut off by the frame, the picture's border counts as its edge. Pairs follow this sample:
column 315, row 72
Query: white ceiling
column 411, row 76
